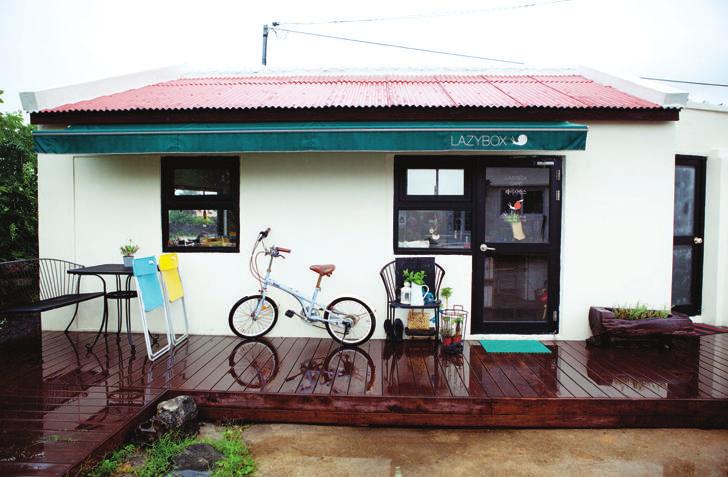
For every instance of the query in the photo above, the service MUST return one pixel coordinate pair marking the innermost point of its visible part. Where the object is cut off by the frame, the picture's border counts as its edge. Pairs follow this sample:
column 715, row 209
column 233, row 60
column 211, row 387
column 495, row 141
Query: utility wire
column 461, row 55
column 390, row 45
column 686, row 82
column 428, row 15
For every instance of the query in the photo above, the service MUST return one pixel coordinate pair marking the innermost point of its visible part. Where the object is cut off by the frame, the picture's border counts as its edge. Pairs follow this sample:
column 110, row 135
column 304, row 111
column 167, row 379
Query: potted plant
column 513, row 217
column 452, row 329
column 417, row 286
column 127, row 251
column 638, row 321
column 446, row 293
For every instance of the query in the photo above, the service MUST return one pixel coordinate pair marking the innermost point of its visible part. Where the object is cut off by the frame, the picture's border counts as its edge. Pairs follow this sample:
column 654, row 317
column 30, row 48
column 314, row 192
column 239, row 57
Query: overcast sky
column 49, row 43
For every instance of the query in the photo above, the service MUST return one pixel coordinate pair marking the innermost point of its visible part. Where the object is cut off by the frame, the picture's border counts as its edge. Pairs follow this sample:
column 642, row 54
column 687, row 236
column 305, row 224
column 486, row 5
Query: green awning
column 314, row 136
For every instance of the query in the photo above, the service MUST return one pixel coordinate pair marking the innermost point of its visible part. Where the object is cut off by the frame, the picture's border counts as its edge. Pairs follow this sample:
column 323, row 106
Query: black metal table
column 125, row 294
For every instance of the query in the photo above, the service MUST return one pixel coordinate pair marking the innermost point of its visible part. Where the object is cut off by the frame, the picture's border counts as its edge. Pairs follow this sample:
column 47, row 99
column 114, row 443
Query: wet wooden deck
column 60, row 405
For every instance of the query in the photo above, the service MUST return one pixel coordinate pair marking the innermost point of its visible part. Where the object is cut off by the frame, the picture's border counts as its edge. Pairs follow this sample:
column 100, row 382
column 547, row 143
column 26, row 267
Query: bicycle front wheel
column 362, row 317
column 246, row 324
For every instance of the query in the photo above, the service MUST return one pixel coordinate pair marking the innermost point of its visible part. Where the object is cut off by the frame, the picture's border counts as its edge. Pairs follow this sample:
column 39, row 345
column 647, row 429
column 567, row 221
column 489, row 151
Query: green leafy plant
column 446, row 293
column 156, row 459
column 638, row 312
column 511, row 217
column 418, row 278
column 18, row 189
column 237, row 461
column 129, row 249
column 109, row 465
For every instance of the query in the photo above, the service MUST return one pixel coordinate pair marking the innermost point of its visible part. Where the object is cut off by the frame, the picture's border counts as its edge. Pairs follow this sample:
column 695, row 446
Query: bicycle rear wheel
column 362, row 317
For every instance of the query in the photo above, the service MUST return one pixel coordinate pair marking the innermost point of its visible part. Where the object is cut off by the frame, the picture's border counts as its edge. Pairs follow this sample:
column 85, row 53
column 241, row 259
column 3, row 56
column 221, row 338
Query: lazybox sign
column 309, row 137
column 487, row 141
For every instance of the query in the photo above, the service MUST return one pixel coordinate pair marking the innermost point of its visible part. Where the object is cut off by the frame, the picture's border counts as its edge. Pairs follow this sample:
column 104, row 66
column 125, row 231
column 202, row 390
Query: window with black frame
column 433, row 205
column 200, row 204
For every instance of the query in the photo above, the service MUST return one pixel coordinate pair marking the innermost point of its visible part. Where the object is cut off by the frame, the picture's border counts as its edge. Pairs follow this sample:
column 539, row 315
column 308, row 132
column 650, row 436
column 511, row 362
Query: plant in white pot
column 514, row 219
column 127, row 251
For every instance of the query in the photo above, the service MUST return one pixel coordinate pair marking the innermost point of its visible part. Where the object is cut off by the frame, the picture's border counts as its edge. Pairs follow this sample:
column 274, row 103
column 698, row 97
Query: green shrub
column 638, row 312
column 236, row 461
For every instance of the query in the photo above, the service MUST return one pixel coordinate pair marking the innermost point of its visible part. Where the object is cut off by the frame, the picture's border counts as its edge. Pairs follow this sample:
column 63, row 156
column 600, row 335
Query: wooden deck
column 60, row 405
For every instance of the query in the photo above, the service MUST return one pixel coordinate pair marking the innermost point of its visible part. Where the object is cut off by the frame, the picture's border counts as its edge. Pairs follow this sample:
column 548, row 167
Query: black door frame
column 551, row 250
column 696, row 282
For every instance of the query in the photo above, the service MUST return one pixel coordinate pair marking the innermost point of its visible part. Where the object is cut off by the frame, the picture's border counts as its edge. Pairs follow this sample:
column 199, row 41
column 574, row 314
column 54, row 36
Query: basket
column 418, row 320
column 453, row 322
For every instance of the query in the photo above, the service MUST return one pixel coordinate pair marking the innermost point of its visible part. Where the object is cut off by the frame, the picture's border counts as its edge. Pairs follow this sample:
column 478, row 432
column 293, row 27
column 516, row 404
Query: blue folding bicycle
column 347, row 319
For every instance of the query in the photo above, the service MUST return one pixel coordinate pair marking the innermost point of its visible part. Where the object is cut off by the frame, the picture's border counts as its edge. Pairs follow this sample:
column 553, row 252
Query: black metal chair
column 29, row 287
column 393, row 280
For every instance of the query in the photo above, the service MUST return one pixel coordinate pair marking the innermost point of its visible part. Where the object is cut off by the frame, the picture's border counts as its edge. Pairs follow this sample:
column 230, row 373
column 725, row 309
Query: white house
column 539, row 192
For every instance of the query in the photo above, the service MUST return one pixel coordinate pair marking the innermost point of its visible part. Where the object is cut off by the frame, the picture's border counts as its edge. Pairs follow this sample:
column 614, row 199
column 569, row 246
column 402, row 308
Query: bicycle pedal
column 290, row 313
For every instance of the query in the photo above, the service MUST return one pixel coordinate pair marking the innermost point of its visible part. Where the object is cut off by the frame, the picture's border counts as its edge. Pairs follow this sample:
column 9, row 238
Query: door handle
column 697, row 240
column 485, row 248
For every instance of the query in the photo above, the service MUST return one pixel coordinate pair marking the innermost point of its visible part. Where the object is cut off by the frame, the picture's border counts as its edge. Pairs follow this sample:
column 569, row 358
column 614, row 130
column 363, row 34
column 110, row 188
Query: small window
column 433, row 210
column 436, row 182
column 200, row 204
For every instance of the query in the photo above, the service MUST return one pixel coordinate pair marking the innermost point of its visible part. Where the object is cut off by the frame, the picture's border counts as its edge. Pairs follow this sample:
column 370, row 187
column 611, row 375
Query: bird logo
column 520, row 141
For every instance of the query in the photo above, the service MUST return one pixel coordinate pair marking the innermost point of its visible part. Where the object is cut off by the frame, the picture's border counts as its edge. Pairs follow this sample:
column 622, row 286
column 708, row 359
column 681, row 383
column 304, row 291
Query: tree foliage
column 18, row 189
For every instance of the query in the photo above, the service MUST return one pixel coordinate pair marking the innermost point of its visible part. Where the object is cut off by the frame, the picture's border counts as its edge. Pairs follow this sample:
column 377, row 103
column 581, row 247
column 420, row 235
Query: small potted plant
column 638, row 321
column 452, row 329
column 417, row 286
column 127, row 251
column 446, row 293
column 514, row 217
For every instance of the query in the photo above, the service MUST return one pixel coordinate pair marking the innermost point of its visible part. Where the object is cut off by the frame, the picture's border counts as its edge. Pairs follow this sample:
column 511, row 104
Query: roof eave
column 402, row 113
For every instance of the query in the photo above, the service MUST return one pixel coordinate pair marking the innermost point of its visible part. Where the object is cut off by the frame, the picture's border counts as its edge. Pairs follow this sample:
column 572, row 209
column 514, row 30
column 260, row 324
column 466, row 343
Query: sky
column 52, row 43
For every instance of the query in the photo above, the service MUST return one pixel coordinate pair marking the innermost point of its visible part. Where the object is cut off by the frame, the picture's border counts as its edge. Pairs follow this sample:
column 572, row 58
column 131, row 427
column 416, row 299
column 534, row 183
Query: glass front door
column 516, row 260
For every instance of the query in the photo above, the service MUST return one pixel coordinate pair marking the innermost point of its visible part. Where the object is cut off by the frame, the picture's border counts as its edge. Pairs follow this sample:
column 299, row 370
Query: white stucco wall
column 616, row 235
column 704, row 132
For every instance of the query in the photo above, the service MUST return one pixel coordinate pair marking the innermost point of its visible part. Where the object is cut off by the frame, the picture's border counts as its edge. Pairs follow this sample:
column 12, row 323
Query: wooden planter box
column 606, row 327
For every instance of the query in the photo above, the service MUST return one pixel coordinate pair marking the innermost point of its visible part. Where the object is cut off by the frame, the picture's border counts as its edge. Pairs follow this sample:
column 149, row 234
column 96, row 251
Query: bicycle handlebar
column 264, row 233
column 282, row 249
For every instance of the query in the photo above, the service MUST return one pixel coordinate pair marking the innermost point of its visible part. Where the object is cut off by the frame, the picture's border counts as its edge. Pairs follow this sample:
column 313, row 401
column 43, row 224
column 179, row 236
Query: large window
column 200, row 204
column 433, row 205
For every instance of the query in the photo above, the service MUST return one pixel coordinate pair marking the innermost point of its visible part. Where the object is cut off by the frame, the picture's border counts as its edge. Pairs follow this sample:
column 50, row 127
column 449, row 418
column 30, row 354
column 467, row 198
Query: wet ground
column 302, row 450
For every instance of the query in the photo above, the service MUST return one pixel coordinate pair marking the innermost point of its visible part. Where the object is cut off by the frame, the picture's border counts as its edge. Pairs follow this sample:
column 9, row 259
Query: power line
column 390, row 45
column 686, row 82
column 461, row 55
column 427, row 15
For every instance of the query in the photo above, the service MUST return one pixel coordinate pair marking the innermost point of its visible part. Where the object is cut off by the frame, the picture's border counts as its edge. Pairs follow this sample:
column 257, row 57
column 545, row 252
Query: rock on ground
column 178, row 413
column 197, row 457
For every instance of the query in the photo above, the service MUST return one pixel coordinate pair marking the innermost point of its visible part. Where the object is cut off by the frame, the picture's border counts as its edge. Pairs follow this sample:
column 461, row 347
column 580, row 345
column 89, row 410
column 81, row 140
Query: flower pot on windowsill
column 605, row 326
column 128, row 260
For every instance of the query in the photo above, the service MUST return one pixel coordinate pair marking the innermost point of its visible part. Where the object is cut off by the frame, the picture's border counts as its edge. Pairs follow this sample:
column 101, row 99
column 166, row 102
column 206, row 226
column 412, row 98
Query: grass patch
column 638, row 312
column 154, row 461
column 113, row 461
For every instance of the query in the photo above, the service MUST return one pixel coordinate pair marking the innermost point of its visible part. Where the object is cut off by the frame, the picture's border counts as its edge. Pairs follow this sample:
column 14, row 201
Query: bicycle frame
column 309, row 306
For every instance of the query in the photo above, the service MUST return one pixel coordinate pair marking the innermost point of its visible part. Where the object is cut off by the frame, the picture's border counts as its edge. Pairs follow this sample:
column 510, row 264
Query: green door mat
column 514, row 346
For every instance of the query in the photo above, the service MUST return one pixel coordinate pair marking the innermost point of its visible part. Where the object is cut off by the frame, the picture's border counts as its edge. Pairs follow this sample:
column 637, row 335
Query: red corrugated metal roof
column 355, row 91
